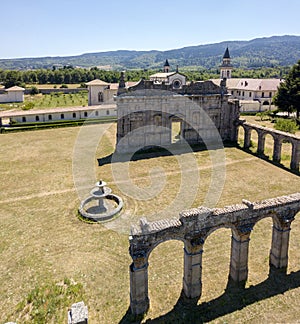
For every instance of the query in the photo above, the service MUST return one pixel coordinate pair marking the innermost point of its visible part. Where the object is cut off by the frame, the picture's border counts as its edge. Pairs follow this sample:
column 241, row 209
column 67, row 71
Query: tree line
column 69, row 75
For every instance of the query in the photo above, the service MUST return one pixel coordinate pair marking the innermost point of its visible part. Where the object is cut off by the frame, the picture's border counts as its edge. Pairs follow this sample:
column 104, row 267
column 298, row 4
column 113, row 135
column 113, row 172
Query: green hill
column 259, row 52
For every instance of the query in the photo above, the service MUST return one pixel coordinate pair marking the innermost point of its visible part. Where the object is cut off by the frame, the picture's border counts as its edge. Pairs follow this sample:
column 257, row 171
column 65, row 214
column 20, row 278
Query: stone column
column 247, row 137
column 280, row 241
column 239, row 255
column 277, row 150
column 295, row 159
column 192, row 283
column 261, row 143
column 139, row 300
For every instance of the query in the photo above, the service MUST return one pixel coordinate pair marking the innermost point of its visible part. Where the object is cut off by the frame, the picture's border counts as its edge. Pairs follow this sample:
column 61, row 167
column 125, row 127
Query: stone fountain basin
column 101, row 216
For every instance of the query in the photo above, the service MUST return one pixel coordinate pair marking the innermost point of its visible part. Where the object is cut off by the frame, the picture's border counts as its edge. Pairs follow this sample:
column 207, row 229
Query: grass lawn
column 52, row 100
column 43, row 245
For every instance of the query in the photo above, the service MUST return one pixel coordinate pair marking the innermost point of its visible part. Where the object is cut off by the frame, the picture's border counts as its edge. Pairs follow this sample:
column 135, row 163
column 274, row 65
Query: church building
column 148, row 111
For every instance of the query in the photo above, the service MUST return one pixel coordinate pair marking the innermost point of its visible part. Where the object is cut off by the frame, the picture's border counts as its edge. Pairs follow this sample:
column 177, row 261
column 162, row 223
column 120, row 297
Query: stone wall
column 146, row 113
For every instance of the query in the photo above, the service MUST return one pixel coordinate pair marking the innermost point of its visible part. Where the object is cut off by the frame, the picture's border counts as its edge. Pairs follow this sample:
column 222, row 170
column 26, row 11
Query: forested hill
column 259, row 52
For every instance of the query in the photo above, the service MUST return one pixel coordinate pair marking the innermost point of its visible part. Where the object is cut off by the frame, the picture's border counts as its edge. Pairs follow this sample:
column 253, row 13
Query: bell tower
column 226, row 67
column 166, row 67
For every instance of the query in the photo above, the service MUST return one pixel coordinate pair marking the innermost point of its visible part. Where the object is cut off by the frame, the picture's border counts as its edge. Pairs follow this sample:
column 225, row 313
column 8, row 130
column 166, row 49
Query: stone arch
column 266, row 103
column 154, row 244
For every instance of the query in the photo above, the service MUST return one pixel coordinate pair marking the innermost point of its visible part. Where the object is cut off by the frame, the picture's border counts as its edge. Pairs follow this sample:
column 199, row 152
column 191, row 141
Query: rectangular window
column 262, row 94
column 23, row 119
column 270, row 94
column 250, row 94
column 85, row 114
column 50, row 117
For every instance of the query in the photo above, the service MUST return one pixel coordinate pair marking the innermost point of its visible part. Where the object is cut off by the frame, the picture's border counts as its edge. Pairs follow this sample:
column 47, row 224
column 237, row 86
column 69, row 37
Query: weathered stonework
column 194, row 226
column 278, row 137
column 146, row 112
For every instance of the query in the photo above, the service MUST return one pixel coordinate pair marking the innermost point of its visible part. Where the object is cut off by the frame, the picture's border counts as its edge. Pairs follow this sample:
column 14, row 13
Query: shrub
column 28, row 105
column 286, row 125
column 34, row 90
column 63, row 86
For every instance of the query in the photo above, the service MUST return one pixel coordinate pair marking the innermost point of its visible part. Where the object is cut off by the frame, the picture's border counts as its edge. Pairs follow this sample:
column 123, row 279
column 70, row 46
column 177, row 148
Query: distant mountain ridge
column 258, row 52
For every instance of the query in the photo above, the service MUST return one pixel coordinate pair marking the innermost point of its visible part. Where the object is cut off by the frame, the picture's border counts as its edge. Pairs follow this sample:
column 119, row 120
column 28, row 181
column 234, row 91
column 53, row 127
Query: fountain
column 101, row 205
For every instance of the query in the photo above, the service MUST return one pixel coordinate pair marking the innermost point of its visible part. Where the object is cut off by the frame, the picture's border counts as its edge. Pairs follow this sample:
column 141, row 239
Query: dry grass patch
column 42, row 241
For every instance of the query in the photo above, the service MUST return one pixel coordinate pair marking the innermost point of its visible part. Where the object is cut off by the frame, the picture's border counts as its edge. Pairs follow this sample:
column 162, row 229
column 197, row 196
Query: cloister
column 278, row 138
column 194, row 226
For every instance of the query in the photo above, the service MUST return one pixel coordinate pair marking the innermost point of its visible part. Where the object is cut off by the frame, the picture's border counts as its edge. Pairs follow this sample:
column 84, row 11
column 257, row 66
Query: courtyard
column 42, row 241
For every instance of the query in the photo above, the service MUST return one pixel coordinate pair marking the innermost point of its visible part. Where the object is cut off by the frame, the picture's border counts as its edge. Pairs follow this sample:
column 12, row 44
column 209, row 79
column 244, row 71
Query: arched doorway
column 241, row 136
column 269, row 146
column 215, row 264
column 259, row 251
column 165, row 273
column 286, row 153
column 294, row 251
column 253, row 141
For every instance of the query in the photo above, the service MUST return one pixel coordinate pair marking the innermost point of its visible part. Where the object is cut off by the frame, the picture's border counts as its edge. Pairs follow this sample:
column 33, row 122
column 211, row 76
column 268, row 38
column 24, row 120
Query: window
column 62, row 116
column 50, row 117
column 107, row 112
column 232, row 92
column 74, row 115
column 37, row 118
column 85, row 114
column 270, row 94
column 243, row 93
column 96, row 113
column 250, row 94
column 23, row 119
column 262, row 94
column 100, row 97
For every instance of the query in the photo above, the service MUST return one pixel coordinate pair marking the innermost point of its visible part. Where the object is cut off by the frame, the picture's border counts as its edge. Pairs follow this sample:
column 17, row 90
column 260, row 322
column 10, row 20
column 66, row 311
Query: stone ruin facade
column 194, row 226
column 147, row 110
column 278, row 138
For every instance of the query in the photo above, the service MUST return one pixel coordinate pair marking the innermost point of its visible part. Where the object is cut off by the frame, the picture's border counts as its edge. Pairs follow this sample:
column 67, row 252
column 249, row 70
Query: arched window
column 37, row 118
column 100, row 97
column 62, row 116
column 23, row 119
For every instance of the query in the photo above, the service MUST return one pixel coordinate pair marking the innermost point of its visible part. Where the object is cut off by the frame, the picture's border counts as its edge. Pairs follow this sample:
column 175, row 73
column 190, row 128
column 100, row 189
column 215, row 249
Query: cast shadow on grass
column 234, row 298
column 267, row 159
column 156, row 151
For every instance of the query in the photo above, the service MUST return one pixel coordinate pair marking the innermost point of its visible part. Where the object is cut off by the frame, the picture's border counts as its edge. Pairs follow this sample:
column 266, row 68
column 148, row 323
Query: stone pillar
column 261, row 143
column 280, row 241
column 295, row 159
column 277, row 150
column 192, row 283
column 239, row 256
column 139, row 300
column 247, row 137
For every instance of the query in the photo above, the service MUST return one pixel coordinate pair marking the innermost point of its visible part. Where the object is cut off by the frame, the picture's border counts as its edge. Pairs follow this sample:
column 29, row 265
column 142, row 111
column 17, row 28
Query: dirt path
column 158, row 175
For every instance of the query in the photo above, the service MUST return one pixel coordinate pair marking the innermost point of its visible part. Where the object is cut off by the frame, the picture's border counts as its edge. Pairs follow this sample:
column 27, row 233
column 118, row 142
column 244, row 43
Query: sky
column 37, row 28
